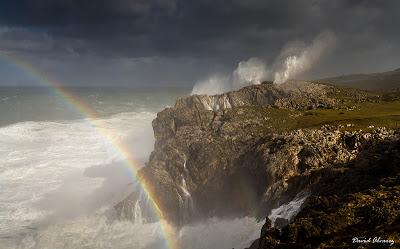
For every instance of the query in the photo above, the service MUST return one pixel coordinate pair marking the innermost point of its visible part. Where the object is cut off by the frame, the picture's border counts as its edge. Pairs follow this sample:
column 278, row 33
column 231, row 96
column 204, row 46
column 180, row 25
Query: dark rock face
column 214, row 155
column 295, row 95
column 359, row 199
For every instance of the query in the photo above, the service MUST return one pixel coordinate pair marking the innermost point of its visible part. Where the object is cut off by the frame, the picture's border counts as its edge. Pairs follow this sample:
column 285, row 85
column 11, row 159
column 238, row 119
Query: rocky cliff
column 353, row 202
column 248, row 151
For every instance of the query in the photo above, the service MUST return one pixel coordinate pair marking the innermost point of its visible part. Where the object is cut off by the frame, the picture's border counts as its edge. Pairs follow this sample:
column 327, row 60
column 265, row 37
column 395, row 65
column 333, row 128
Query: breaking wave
column 60, row 180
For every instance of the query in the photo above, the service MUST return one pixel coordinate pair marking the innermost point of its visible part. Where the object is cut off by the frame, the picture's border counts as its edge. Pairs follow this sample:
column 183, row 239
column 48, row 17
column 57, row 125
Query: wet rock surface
column 356, row 200
column 225, row 156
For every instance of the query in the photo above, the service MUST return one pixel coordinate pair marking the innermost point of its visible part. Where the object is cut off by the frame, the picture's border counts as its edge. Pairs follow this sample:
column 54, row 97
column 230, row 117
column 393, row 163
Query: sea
column 60, row 177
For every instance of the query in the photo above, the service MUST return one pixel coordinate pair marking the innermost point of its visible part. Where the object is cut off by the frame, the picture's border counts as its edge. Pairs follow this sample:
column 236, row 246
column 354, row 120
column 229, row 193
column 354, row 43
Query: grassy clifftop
column 356, row 109
column 244, row 146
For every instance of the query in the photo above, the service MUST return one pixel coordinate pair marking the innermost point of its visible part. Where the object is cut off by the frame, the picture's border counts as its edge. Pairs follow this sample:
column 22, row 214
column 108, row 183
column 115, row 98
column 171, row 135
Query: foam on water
column 60, row 180
column 216, row 233
column 289, row 210
column 42, row 166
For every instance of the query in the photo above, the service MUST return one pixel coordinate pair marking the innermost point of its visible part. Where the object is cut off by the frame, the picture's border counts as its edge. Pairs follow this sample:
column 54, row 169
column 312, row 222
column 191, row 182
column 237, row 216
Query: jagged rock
column 281, row 223
column 217, row 156
column 294, row 95
column 360, row 202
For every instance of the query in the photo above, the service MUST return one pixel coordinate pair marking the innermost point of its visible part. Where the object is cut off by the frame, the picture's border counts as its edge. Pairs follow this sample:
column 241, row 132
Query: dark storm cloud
column 172, row 27
column 219, row 31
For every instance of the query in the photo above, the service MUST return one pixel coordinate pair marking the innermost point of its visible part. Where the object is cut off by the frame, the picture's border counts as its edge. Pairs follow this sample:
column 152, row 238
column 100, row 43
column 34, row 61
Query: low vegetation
column 355, row 111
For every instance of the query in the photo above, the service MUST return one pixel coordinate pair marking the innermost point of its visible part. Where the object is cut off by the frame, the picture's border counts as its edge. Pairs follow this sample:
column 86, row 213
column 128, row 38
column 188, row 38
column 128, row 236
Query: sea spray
column 252, row 71
column 45, row 165
column 213, row 84
column 187, row 205
column 295, row 59
column 305, row 57
column 138, row 218
column 289, row 210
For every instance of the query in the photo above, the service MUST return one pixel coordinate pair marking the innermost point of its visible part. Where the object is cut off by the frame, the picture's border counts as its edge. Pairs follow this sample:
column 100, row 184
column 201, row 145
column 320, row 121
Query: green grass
column 365, row 116
column 362, row 116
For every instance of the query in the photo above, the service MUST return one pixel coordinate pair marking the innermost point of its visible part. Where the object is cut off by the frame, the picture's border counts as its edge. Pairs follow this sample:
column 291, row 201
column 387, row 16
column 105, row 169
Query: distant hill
column 384, row 80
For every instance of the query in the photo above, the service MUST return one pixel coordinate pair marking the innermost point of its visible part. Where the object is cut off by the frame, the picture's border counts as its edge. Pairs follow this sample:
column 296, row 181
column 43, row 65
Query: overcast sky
column 177, row 42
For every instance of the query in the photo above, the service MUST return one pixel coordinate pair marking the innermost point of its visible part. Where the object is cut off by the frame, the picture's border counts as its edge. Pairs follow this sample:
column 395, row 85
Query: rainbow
column 93, row 117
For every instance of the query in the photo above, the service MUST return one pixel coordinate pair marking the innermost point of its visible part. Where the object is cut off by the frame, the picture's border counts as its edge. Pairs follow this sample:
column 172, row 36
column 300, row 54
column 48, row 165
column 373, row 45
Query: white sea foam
column 289, row 210
column 215, row 233
column 60, row 180
column 42, row 167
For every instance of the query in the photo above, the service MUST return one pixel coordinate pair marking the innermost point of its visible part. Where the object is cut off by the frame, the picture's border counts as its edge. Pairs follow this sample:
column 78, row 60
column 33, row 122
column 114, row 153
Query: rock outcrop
column 244, row 152
column 295, row 95
column 353, row 202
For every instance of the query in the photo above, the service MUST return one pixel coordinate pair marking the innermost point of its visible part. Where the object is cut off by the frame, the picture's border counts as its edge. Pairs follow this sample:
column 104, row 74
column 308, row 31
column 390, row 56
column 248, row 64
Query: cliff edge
column 249, row 151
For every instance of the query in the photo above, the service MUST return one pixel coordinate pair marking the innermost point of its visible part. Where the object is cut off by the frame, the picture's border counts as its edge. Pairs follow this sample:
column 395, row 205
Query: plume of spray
column 250, row 72
column 214, row 84
column 294, row 60
column 305, row 58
